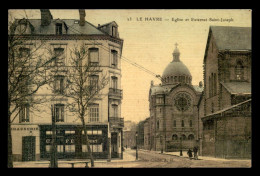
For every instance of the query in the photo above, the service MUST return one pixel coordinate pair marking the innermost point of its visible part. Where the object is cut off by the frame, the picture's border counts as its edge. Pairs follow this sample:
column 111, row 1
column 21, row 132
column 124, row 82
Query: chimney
column 82, row 15
column 46, row 17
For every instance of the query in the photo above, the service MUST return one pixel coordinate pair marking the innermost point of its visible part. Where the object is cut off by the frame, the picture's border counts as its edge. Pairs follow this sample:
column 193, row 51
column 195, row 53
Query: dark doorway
column 114, row 152
column 28, row 148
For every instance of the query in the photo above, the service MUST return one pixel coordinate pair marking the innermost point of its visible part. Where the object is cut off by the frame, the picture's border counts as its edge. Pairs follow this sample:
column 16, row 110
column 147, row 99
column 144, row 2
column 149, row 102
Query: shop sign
column 24, row 129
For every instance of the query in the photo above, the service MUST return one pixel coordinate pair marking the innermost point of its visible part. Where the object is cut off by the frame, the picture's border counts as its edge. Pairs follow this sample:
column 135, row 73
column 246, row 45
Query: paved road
column 154, row 159
column 148, row 159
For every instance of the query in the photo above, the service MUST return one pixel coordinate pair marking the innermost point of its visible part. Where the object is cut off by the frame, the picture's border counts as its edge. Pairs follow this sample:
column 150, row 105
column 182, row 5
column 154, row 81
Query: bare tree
column 85, row 81
column 27, row 68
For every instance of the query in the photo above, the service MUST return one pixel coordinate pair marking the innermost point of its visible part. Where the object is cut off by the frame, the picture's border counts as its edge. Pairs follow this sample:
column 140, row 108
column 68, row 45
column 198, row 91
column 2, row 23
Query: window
column 239, row 70
column 114, row 110
column 23, row 84
column 114, row 58
column 114, row 31
column 159, row 100
column 174, row 137
column 59, row 84
column 191, row 137
column 114, row 82
column 59, row 112
column 59, row 56
column 58, row 28
column 158, row 123
column 215, row 83
column 190, row 123
column 210, row 87
column 93, row 56
column 24, row 113
column 175, row 79
column 182, row 123
column 94, row 83
column 93, row 113
column 183, row 137
column 24, row 52
column 174, row 123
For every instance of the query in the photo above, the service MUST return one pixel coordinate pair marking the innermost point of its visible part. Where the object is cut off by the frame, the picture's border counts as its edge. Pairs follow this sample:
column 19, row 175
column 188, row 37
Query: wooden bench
column 86, row 162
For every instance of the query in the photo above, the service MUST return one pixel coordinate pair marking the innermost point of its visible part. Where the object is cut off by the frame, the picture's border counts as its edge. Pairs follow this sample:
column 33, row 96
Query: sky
column 149, row 40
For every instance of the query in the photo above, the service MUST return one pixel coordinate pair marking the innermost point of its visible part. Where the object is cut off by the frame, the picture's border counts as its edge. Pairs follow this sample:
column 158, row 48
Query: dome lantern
column 176, row 54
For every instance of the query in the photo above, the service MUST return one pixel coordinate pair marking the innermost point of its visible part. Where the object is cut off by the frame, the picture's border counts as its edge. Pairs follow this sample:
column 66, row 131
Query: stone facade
column 173, row 121
column 227, row 85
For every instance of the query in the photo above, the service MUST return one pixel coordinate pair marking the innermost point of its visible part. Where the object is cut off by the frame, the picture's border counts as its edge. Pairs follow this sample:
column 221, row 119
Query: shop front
column 71, row 143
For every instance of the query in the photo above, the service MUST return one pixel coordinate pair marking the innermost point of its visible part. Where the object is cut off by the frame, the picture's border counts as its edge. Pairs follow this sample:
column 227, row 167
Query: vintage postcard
column 135, row 88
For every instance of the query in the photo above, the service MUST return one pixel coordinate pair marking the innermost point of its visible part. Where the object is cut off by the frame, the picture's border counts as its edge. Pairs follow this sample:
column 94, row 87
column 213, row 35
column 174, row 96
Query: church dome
column 176, row 71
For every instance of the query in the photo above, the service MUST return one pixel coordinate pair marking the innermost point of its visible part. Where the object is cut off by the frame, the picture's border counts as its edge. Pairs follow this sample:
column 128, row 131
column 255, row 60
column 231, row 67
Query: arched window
column 239, row 70
column 183, row 137
column 191, row 137
column 182, row 123
column 174, row 137
column 158, row 123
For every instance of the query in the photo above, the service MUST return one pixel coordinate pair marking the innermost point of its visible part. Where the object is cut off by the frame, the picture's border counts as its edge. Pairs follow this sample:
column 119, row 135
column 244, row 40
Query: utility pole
column 54, row 162
column 136, row 134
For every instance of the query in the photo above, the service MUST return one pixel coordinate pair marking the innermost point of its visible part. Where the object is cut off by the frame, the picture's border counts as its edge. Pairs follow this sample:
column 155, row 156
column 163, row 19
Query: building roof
column 176, row 67
column 161, row 89
column 237, row 87
column 72, row 25
column 214, row 115
column 232, row 38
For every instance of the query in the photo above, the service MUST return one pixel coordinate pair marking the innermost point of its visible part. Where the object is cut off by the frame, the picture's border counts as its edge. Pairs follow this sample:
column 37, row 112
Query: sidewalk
column 185, row 155
column 127, row 159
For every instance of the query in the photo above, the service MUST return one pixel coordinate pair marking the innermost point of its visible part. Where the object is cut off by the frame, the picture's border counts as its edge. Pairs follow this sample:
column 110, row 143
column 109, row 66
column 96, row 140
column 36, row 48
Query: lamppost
column 54, row 162
column 136, row 134
column 161, row 144
column 181, row 146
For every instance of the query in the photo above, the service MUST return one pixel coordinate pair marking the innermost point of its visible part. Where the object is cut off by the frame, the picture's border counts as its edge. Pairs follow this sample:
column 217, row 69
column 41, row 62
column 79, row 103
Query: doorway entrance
column 28, row 148
column 114, row 152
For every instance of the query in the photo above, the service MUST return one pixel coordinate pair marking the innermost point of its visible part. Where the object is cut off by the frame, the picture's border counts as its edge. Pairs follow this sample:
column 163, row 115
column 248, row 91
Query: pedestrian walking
column 189, row 153
column 195, row 150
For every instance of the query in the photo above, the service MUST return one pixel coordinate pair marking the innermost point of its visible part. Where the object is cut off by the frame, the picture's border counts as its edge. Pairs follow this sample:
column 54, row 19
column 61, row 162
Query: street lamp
column 161, row 144
column 181, row 146
column 136, row 134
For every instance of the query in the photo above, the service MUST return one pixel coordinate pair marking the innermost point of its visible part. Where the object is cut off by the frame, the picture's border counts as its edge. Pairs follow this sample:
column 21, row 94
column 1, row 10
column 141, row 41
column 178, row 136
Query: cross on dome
column 176, row 44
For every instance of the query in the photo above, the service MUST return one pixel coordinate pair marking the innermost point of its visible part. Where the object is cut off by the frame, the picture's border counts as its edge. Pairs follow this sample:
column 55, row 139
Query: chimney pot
column 82, row 15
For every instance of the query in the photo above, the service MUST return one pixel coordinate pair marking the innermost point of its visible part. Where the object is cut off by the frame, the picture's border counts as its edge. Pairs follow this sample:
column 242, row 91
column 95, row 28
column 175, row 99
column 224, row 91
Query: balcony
column 116, row 122
column 115, row 93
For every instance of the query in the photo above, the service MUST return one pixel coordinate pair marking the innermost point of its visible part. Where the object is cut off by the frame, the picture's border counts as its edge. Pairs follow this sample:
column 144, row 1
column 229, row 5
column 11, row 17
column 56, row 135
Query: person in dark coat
column 189, row 153
column 195, row 150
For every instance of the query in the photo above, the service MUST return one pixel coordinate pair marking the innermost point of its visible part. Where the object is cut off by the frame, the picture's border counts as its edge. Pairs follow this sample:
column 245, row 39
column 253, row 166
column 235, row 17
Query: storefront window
column 69, row 148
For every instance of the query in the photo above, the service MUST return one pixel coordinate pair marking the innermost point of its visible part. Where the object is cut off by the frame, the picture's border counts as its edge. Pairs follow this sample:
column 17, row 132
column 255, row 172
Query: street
column 147, row 159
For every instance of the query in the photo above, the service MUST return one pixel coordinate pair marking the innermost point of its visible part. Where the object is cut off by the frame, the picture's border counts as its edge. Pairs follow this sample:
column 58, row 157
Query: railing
column 116, row 122
column 117, row 93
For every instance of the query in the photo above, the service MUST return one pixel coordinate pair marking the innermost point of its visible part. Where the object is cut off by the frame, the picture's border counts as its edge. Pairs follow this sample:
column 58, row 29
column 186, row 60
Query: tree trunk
column 87, row 142
column 10, row 149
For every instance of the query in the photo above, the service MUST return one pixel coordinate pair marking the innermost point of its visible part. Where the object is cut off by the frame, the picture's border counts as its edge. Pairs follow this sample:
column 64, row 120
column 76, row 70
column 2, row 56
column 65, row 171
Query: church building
column 173, row 122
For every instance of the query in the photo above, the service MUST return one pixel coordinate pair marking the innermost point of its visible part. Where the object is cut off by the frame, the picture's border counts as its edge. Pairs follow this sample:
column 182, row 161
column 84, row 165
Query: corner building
column 32, row 132
column 173, row 121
